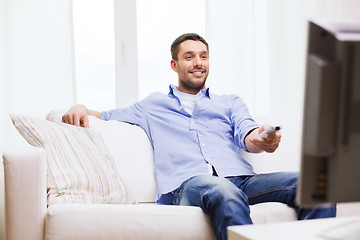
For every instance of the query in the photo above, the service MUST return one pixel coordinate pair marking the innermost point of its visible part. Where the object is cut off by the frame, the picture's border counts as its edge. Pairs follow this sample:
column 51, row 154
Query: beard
column 192, row 85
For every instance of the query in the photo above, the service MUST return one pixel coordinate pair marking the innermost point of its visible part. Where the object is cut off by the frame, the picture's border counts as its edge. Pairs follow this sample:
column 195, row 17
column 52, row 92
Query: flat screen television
column 330, row 161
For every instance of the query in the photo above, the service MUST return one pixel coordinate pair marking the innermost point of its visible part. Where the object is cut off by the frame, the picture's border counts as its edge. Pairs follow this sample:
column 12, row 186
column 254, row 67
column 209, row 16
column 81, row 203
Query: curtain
column 36, row 71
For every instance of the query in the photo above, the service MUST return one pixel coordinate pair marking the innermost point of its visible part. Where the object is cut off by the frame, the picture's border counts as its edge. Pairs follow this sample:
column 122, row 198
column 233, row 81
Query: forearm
column 93, row 113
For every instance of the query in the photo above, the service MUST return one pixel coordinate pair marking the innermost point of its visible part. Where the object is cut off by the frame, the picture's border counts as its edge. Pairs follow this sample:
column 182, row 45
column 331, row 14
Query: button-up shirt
column 184, row 144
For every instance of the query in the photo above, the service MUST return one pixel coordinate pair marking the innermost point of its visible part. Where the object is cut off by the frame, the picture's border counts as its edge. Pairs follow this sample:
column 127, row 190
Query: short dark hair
column 184, row 37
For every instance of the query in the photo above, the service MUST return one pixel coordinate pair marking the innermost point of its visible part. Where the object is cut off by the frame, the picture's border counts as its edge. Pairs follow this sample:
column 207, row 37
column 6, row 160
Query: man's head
column 190, row 59
column 187, row 36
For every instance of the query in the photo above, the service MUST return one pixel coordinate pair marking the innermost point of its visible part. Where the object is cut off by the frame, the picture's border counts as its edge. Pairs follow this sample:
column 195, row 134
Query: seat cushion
column 272, row 212
column 122, row 222
column 144, row 221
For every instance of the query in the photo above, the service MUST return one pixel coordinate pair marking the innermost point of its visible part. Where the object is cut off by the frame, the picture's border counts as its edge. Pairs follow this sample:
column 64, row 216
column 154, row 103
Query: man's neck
column 190, row 91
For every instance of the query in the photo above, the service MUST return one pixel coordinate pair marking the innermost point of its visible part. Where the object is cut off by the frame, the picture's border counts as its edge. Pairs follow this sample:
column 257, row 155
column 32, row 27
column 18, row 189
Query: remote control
column 269, row 131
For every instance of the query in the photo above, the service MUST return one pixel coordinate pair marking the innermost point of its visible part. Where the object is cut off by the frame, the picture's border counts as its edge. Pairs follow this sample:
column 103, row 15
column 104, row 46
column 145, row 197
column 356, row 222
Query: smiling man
column 196, row 136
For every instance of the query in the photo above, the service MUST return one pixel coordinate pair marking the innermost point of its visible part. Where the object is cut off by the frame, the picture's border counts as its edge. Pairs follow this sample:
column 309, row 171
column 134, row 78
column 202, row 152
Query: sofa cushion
column 272, row 212
column 131, row 150
column 80, row 168
column 144, row 221
column 124, row 222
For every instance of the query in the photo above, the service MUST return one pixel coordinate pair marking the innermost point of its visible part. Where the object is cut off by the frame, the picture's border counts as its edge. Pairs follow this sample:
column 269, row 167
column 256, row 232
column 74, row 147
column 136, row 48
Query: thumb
column 263, row 127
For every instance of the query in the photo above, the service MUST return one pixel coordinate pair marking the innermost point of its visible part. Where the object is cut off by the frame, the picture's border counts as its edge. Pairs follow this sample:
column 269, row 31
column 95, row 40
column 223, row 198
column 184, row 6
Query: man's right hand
column 78, row 115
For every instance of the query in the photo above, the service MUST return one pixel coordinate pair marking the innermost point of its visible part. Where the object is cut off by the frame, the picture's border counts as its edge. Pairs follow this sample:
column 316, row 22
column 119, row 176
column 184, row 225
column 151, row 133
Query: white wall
column 35, row 66
column 237, row 32
column 287, row 42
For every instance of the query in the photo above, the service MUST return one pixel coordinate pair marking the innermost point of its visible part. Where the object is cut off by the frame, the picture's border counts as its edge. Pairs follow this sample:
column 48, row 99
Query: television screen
column 330, row 161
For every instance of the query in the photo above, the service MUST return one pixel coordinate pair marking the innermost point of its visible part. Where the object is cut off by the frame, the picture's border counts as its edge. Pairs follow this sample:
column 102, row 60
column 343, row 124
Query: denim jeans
column 227, row 201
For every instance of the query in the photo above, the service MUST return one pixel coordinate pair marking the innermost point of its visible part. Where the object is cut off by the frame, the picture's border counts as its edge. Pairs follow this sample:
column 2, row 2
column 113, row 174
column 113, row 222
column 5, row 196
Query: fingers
column 77, row 116
column 269, row 144
column 76, row 119
column 270, row 148
column 85, row 122
column 72, row 119
column 67, row 119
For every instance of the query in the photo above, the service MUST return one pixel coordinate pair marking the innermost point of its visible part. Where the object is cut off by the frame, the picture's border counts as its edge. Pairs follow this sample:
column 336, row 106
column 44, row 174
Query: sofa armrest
column 25, row 193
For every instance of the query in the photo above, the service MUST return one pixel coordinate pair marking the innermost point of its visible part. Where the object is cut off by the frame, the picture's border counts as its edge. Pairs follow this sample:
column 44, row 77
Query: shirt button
column 203, row 144
column 192, row 121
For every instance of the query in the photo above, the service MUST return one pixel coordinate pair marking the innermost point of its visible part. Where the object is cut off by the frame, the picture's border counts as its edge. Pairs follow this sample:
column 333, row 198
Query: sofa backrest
column 133, row 155
column 131, row 151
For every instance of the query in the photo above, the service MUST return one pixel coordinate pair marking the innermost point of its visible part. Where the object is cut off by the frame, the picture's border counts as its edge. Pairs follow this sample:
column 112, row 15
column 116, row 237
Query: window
column 237, row 35
column 159, row 22
column 237, row 32
column 94, row 50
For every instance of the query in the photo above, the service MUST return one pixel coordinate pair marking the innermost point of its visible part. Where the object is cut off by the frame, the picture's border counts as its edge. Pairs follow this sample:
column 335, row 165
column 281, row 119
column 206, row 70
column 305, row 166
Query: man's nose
column 197, row 61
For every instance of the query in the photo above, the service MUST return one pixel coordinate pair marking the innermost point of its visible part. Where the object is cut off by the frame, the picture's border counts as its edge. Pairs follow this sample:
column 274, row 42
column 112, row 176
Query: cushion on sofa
column 145, row 221
column 125, row 222
column 80, row 168
column 131, row 150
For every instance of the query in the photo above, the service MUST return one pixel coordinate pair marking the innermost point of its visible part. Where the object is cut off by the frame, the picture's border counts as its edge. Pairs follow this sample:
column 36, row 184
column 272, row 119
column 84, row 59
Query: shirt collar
column 174, row 91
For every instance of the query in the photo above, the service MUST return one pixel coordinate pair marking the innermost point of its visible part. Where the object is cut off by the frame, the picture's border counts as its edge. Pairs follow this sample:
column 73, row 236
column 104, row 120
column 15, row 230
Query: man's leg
column 279, row 187
column 219, row 198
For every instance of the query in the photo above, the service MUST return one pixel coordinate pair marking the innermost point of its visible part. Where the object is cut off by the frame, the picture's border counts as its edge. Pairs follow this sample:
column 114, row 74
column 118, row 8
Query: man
column 196, row 138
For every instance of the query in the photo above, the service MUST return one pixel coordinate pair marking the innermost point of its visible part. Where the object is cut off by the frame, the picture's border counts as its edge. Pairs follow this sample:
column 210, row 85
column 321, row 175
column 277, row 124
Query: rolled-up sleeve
column 133, row 115
column 242, row 121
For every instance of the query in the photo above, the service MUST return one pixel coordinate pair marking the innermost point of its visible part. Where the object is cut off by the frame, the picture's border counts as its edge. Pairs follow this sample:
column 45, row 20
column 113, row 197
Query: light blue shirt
column 184, row 144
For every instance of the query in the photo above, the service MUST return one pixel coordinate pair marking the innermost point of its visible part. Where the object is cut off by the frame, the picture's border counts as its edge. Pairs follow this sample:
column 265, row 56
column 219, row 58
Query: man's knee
column 213, row 189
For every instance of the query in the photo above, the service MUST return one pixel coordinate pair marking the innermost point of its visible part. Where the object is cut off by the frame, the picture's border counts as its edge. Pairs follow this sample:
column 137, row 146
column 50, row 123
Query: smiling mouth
column 198, row 72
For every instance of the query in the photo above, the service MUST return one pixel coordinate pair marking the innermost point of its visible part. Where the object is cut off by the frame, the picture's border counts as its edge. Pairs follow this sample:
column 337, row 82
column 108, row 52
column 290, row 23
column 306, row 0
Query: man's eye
column 188, row 57
column 204, row 57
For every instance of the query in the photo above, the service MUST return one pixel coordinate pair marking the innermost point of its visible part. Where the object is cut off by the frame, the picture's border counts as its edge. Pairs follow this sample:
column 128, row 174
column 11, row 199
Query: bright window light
column 237, row 35
column 159, row 22
column 93, row 23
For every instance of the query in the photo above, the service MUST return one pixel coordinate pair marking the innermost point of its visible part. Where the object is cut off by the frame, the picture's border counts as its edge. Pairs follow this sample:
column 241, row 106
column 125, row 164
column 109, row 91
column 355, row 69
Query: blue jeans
column 227, row 201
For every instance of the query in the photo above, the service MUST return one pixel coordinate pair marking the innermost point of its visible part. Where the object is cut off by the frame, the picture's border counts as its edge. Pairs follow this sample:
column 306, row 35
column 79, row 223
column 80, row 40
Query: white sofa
column 29, row 217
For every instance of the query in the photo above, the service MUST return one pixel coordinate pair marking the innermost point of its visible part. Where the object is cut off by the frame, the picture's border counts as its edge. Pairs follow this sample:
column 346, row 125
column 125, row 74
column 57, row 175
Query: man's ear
column 173, row 64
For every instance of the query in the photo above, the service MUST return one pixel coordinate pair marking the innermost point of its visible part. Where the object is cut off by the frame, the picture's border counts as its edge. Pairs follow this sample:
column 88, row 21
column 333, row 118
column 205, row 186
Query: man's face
column 192, row 66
